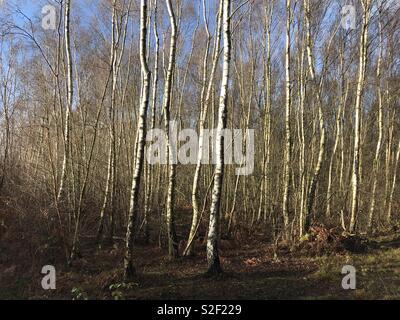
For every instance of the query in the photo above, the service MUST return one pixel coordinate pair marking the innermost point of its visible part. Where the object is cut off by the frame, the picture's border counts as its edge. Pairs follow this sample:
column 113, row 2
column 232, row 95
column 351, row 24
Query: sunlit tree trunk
column 129, row 270
column 301, row 124
column 265, row 196
column 170, row 214
column 70, row 96
column 214, row 266
column 357, row 131
column 390, row 202
column 288, row 138
column 204, row 102
column 388, row 154
column 5, row 98
column 377, row 159
column 111, row 152
column 321, row 121
column 150, row 168
column 338, row 135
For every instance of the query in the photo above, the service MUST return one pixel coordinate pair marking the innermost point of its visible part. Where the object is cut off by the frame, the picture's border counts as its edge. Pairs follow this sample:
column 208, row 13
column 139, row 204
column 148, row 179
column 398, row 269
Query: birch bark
column 214, row 266
column 129, row 270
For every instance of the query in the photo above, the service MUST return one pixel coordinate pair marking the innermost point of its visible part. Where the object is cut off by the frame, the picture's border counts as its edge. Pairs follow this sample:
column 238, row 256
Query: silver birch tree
column 214, row 266
column 129, row 270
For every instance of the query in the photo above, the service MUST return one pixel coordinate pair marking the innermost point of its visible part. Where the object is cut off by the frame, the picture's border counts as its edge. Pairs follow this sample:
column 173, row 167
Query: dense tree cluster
column 77, row 102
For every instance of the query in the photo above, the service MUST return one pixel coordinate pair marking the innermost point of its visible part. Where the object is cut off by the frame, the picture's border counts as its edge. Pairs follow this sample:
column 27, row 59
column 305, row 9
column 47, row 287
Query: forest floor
column 252, row 271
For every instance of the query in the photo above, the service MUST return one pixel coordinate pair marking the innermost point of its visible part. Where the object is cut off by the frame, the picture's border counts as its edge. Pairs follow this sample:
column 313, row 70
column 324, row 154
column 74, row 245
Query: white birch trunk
column 357, row 131
column 129, row 270
column 70, row 94
column 288, row 138
column 205, row 98
column 376, row 165
column 172, row 242
column 213, row 230
column 396, row 165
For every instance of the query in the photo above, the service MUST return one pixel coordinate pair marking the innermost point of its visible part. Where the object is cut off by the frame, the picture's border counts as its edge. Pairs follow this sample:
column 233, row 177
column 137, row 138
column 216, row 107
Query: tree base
column 189, row 253
column 173, row 251
column 129, row 271
column 214, row 270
